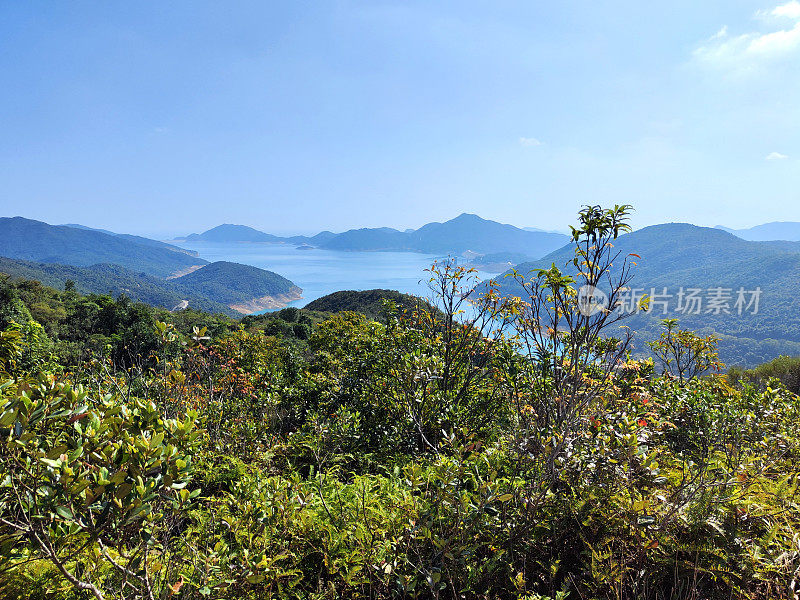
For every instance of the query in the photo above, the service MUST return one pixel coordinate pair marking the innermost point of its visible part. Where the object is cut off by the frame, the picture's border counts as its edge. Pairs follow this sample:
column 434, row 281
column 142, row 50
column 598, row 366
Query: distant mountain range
column 464, row 233
column 145, row 270
column 242, row 233
column 768, row 231
column 681, row 256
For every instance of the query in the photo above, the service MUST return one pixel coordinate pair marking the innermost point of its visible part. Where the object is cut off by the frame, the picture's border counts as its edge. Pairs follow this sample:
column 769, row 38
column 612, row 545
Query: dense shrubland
column 484, row 449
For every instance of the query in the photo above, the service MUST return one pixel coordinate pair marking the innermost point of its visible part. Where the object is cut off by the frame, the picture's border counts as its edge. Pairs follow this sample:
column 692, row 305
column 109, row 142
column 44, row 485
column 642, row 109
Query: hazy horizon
column 180, row 235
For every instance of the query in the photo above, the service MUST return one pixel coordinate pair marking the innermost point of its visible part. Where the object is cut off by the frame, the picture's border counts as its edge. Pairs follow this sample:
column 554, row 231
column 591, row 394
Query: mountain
column 219, row 287
column 470, row 232
column 232, row 233
column 135, row 238
column 242, row 287
column 768, row 231
column 679, row 256
column 242, row 233
column 26, row 239
column 370, row 239
column 466, row 232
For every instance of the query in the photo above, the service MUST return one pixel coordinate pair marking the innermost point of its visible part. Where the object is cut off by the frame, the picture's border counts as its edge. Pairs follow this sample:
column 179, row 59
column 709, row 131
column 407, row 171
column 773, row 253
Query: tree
column 563, row 322
column 89, row 483
column 684, row 354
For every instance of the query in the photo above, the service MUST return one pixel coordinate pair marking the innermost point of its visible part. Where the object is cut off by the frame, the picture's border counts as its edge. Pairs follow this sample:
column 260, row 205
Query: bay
column 319, row 272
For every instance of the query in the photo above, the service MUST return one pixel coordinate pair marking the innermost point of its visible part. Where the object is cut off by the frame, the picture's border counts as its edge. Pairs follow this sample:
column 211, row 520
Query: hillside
column 676, row 256
column 26, row 239
column 220, row 287
column 242, row 287
column 113, row 280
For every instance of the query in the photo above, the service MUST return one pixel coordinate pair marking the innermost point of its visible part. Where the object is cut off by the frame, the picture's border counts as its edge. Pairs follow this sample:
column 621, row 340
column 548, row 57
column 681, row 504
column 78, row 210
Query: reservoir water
column 319, row 272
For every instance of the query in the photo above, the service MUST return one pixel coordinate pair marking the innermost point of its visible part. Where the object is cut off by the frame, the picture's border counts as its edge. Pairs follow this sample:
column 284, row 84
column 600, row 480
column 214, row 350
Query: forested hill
column 226, row 288
column 113, row 280
column 26, row 239
column 679, row 256
column 366, row 302
column 466, row 232
column 233, row 283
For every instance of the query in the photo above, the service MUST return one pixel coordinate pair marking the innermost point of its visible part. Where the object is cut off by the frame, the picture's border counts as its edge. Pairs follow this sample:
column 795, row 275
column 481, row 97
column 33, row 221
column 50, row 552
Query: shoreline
column 268, row 302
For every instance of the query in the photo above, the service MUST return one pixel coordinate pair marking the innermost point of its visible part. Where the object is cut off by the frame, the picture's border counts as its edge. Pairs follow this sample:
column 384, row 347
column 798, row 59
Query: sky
column 165, row 118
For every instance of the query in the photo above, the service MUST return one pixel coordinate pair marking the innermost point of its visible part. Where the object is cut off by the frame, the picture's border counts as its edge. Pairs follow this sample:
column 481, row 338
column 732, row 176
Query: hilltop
column 366, row 302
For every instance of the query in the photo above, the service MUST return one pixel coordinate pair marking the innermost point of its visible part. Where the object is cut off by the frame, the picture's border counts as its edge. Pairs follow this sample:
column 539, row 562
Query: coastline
column 268, row 302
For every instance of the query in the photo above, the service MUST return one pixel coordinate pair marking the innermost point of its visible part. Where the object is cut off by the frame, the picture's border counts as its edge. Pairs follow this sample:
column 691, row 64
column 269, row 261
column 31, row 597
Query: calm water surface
column 320, row 272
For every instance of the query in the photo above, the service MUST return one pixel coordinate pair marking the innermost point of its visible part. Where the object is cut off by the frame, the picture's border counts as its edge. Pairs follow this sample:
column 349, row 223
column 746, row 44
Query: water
column 319, row 272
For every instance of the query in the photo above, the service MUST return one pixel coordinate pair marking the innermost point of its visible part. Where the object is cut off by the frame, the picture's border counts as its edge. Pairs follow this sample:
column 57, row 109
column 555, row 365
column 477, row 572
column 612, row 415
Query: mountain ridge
column 37, row 241
column 466, row 232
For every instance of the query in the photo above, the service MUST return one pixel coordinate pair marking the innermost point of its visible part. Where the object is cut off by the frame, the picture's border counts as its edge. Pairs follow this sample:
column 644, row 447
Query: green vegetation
column 25, row 239
column 438, row 454
column 675, row 256
column 370, row 303
column 214, row 288
column 784, row 369
column 114, row 280
column 232, row 283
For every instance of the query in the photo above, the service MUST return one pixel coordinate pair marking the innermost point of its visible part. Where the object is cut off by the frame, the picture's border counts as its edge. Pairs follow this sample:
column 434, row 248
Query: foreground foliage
column 425, row 456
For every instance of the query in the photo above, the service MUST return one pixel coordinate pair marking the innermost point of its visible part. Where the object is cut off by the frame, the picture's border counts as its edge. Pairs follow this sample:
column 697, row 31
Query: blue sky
column 165, row 118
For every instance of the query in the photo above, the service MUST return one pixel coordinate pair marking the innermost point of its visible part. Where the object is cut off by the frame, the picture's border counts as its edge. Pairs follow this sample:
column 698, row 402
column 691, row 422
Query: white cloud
column 775, row 156
column 723, row 31
column 530, row 141
column 790, row 10
column 745, row 51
